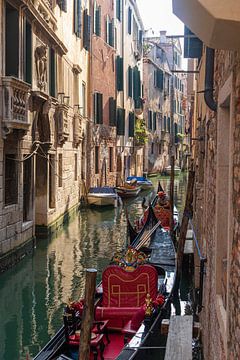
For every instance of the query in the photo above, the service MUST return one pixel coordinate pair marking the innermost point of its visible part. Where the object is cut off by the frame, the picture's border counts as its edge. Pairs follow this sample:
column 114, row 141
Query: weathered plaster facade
column 216, row 211
column 43, row 127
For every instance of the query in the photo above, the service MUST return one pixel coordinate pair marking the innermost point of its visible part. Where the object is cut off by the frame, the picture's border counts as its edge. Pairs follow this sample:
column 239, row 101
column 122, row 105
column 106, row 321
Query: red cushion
column 128, row 329
column 128, row 289
column 137, row 319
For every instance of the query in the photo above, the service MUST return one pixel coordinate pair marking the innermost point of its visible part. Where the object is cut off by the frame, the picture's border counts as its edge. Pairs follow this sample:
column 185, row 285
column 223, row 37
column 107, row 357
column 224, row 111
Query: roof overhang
column 215, row 22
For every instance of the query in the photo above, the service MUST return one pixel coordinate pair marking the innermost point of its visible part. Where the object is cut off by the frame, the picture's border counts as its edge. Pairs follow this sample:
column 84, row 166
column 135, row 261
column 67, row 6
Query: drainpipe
column 209, row 78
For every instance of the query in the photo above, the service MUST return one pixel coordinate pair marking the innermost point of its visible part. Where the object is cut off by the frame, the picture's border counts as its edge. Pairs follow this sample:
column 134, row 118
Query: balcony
column 15, row 104
column 215, row 22
column 62, row 123
column 77, row 128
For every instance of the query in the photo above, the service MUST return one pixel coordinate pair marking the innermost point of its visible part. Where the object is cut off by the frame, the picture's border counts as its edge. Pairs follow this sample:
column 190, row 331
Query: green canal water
column 33, row 293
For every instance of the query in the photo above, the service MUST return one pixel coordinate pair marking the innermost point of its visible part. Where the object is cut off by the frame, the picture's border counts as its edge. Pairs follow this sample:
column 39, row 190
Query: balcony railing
column 15, row 104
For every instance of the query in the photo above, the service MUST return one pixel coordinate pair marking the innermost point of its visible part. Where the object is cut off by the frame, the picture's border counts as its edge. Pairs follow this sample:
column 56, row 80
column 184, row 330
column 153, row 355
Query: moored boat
column 141, row 181
column 177, row 170
column 103, row 196
column 127, row 190
column 133, row 297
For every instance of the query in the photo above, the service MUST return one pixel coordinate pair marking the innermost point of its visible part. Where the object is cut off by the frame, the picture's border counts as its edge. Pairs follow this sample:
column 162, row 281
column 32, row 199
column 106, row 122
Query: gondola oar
column 146, row 238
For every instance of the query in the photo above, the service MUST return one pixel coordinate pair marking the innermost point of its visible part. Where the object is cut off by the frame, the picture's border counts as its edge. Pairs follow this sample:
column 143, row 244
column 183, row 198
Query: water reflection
column 33, row 293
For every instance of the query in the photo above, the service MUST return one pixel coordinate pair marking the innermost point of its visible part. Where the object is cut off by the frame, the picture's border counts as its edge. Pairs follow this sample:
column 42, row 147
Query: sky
column 157, row 15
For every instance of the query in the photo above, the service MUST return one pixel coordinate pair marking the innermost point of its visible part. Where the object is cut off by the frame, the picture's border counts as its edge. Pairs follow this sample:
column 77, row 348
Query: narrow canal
column 34, row 292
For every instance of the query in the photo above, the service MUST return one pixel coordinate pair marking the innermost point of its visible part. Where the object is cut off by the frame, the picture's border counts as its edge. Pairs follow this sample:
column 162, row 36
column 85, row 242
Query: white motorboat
column 103, row 196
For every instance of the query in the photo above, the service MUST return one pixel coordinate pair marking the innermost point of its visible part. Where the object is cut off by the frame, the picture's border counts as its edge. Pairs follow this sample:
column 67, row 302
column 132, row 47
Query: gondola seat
column 97, row 345
column 124, row 293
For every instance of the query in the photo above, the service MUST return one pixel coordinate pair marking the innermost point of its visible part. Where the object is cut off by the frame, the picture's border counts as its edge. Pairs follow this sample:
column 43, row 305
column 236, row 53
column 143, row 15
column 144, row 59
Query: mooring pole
column 88, row 315
column 172, row 192
column 184, row 226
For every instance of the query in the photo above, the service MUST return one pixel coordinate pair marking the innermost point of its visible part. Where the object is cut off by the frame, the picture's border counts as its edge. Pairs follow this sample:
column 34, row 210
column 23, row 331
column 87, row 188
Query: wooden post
column 88, row 314
column 184, row 227
column 172, row 193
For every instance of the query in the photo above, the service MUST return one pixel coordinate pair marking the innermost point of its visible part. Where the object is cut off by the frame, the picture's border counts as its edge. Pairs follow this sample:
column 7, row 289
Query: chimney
column 163, row 36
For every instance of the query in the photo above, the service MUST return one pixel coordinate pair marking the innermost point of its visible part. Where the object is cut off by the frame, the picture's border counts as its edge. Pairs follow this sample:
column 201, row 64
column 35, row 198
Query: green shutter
column 130, row 81
column 86, row 30
column 77, row 17
column 154, row 121
column 165, row 124
column 159, row 79
column 129, row 20
column 150, row 123
column 192, row 45
column 111, row 33
column 112, row 111
column 28, row 53
column 131, row 124
column 169, row 124
column 136, row 83
column 118, row 9
column 98, row 21
column 120, row 121
column 100, row 108
column 52, row 82
column 119, row 61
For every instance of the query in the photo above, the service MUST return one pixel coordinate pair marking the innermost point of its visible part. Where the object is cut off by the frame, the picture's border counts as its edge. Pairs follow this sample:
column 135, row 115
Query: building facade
column 157, row 107
column 216, row 155
column 43, row 117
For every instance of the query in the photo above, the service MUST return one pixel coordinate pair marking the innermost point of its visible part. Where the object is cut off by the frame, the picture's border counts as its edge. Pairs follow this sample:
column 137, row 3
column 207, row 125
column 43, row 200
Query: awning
column 215, row 22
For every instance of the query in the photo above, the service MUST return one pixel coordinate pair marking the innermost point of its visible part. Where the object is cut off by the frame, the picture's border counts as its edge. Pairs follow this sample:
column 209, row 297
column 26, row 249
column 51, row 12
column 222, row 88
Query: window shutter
column 52, row 71
column 131, row 124
column 136, row 83
column 169, row 124
column 62, row 4
column 165, row 123
column 77, row 17
column 111, row 33
column 112, row 111
column 98, row 20
column 159, row 79
column 119, row 73
column 118, row 9
column 150, row 125
column 154, row 121
column 130, row 81
column 86, row 30
column 155, row 78
column 120, row 121
column 100, row 108
column 129, row 20
column 140, row 39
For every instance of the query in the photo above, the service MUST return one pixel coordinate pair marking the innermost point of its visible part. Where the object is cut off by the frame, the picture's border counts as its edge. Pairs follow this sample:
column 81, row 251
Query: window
column 192, row 46
column 98, row 108
column 11, row 41
column 77, row 17
column 159, row 79
column 152, row 148
column 110, row 32
column 62, row 4
column 118, row 9
column 119, row 70
column 154, row 121
column 159, row 148
column 112, row 111
column 120, row 121
column 75, row 167
column 97, row 19
column 11, row 179
column 130, row 81
column 27, row 189
column 51, row 180
column 129, row 20
column 150, row 119
column 111, row 159
column 83, row 99
column 96, row 159
column 52, row 73
column 86, row 30
column 136, row 84
column 28, row 53
column 60, row 170
column 169, row 124
column 131, row 124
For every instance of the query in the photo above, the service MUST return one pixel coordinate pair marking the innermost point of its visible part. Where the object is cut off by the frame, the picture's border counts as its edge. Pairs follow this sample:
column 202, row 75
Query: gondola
column 162, row 214
column 133, row 297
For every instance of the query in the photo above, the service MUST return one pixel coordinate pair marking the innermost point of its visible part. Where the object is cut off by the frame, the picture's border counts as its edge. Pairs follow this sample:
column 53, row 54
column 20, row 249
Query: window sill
column 26, row 225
